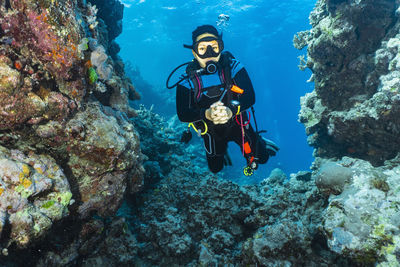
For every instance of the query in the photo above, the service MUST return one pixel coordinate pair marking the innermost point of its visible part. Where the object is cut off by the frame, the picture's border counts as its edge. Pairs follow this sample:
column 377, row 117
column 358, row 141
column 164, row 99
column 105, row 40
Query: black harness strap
column 193, row 68
column 225, row 74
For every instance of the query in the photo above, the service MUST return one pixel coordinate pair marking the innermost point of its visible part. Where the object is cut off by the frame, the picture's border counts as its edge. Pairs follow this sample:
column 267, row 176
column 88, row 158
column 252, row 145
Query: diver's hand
column 218, row 113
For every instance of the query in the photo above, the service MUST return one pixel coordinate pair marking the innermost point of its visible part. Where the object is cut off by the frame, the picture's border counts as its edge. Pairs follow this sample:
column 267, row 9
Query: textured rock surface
column 65, row 131
column 363, row 221
column 100, row 243
column 331, row 177
column 34, row 193
column 353, row 52
column 352, row 119
column 102, row 150
column 192, row 218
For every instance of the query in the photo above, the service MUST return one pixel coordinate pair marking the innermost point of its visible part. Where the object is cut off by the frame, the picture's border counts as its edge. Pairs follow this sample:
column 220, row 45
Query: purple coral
column 34, row 30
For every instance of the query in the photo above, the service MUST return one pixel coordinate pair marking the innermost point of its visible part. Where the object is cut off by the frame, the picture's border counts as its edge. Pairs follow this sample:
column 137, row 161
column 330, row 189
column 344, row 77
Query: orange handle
column 237, row 89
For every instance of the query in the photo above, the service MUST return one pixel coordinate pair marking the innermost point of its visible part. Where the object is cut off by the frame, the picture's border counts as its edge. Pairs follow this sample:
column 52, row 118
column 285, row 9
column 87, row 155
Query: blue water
column 259, row 34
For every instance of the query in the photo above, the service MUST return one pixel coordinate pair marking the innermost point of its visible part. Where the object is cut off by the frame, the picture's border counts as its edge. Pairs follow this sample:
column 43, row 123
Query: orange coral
column 18, row 65
column 74, row 93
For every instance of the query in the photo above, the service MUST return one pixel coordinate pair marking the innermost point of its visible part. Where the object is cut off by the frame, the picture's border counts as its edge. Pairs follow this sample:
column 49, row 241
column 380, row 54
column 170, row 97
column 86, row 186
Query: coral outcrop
column 362, row 222
column 161, row 146
column 34, row 192
column 100, row 243
column 110, row 13
column 112, row 239
column 331, row 177
column 352, row 119
column 192, row 218
column 67, row 145
column 104, row 153
column 353, row 52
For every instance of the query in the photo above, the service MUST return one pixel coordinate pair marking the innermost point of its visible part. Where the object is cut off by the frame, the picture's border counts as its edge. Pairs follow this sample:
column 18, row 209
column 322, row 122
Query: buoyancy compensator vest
column 197, row 75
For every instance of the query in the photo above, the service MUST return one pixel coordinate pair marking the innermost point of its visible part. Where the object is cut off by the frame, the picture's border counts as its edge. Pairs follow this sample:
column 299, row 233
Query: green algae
column 48, row 204
column 92, row 75
column 65, row 198
column 25, row 193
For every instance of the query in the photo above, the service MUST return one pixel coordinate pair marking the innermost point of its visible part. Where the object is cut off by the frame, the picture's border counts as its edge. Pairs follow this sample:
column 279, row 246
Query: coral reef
column 72, row 147
column 110, row 239
column 192, row 218
column 352, row 53
column 160, row 143
column 34, row 193
column 362, row 222
column 102, row 149
column 100, row 243
column 331, row 177
column 111, row 13
column 352, row 121
column 67, row 145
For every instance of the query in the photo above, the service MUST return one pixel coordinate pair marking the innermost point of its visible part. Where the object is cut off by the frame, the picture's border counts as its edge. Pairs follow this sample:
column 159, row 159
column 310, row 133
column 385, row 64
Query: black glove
column 186, row 136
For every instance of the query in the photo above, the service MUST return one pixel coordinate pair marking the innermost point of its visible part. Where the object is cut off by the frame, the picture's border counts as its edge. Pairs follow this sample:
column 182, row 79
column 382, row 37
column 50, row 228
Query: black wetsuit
column 191, row 105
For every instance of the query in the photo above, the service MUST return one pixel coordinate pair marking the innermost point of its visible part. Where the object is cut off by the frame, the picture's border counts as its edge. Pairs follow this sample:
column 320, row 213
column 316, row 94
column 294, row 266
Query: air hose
column 182, row 77
column 197, row 131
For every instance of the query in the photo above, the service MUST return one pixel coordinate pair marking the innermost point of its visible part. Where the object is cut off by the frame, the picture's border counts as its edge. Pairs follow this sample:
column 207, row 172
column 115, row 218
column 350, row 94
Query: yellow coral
column 25, row 170
column 1, row 191
column 25, row 173
column 39, row 170
column 25, row 182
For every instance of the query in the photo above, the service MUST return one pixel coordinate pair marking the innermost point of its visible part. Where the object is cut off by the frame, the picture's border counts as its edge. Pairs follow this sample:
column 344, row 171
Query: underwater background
column 259, row 34
column 92, row 175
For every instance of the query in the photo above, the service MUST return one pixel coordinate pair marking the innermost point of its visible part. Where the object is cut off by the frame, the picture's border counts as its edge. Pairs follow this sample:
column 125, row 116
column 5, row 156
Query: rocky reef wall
column 68, row 149
column 352, row 120
column 353, row 54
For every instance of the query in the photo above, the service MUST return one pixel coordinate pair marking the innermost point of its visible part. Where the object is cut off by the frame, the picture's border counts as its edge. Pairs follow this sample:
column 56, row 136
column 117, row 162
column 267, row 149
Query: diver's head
column 207, row 46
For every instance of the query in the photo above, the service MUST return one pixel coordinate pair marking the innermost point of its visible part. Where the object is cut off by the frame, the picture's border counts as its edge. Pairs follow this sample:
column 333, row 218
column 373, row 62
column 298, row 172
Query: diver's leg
column 215, row 163
column 251, row 146
column 259, row 146
column 215, row 151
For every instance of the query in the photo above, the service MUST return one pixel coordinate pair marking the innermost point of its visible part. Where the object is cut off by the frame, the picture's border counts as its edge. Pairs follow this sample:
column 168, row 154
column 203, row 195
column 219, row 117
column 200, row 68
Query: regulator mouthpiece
column 211, row 67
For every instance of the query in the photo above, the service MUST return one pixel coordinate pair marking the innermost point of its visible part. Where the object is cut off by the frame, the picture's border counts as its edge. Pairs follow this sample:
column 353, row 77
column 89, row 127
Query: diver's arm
column 185, row 107
column 248, row 98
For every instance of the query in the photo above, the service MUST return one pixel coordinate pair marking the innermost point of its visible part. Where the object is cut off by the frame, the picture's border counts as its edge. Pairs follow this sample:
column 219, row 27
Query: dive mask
column 207, row 47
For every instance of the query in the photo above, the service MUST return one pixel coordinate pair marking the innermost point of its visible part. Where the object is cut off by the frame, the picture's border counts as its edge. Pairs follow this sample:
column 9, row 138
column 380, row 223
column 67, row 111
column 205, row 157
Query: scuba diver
column 214, row 97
